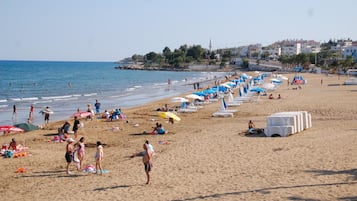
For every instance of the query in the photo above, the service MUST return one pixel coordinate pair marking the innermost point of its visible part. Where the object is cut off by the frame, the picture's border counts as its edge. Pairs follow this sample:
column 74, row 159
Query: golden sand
column 205, row 157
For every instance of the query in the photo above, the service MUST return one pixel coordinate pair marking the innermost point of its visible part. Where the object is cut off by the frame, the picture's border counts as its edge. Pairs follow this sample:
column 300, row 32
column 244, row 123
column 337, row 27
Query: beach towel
column 92, row 169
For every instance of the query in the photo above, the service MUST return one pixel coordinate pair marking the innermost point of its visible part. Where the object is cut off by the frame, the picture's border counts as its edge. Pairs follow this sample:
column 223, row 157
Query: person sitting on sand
column 161, row 130
column 251, row 127
column 279, row 97
column 115, row 114
column 13, row 144
column 155, row 128
column 271, row 96
column 64, row 129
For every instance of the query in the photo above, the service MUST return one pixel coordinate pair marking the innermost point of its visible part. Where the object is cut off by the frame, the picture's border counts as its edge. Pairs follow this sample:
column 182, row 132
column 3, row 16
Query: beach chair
column 222, row 114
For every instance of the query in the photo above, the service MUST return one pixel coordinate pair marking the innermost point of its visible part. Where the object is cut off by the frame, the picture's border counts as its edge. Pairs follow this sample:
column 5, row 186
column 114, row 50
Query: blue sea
column 67, row 86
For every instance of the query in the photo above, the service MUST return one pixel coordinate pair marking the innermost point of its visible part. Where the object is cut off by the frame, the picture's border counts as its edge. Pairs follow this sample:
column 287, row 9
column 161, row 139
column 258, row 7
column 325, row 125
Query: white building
column 291, row 49
column 351, row 51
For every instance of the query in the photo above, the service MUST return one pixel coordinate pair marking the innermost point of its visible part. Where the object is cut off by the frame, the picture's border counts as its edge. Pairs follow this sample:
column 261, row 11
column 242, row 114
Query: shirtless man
column 147, row 161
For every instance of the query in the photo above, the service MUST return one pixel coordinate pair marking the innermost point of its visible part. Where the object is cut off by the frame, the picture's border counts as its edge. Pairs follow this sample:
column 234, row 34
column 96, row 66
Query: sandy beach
column 203, row 157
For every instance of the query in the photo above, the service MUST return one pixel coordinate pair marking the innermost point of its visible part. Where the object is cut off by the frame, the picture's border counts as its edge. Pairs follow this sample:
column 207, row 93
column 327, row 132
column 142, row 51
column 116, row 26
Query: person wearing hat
column 69, row 153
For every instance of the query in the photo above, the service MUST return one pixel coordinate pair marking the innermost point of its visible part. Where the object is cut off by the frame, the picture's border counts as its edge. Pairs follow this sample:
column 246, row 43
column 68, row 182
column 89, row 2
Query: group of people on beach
column 79, row 149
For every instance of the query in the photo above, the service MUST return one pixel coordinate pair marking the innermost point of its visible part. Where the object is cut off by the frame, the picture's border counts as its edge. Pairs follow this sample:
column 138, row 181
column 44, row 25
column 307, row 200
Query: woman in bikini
column 80, row 151
column 98, row 157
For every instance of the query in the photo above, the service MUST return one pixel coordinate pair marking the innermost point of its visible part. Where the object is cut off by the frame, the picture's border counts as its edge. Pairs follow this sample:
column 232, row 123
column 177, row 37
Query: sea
column 65, row 87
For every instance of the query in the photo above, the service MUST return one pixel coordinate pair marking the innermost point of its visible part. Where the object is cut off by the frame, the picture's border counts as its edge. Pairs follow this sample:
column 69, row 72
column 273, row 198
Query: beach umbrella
column 209, row 91
column 81, row 114
column 226, row 85
column 9, row 129
column 167, row 115
column 26, row 127
column 199, row 93
column 179, row 100
column 195, row 96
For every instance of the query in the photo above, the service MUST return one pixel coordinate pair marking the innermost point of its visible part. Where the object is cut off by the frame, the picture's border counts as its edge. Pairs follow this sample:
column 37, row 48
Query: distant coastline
column 169, row 68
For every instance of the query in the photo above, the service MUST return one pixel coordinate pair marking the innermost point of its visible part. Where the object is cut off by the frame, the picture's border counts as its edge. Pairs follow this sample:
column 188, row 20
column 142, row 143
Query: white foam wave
column 130, row 89
column 29, row 99
column 45, row 101
column 91, row 94
column 55, row 97
column 15, row 99
column 3, row 101
column 65, row 99
column 2, row 106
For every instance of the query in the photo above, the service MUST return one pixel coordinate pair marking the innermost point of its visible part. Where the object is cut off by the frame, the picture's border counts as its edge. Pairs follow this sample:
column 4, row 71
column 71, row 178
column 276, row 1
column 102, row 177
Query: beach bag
column 8, row 154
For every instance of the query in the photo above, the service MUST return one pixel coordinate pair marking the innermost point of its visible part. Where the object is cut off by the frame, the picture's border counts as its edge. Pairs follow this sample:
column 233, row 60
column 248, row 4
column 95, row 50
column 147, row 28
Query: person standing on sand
column 32, row 110
column 69, row 154
column 80, row 144
column 47, row 115
column 97, row 107
column 76, row 127
column 98, row 158
column 147, row 160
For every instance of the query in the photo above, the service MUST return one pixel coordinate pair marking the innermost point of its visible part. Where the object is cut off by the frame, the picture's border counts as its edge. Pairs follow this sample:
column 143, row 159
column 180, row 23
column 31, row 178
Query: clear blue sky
column 109, row 30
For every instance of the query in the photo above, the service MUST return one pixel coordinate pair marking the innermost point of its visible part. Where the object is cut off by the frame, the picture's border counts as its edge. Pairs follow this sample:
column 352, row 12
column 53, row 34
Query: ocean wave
column 44, row 101
column 130, row 89
column 29, row 99
column 55, row 97
column 66, row 99
column 3, row 101
column 2, row 106
column 15, row 99
column 91, row 94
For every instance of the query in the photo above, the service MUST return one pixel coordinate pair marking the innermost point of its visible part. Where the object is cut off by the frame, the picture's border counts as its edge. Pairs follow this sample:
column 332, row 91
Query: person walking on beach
column 169, row 84
column 99, row 157
column 69, row 154
column 97, row 107
column 47, row 115
column 89, row 109
column 76, row 126
column 14, row 113
column 32, row 110
column 147, row 160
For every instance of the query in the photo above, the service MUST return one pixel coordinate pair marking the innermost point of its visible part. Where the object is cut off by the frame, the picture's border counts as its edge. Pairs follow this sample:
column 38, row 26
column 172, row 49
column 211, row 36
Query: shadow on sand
column 351, row 172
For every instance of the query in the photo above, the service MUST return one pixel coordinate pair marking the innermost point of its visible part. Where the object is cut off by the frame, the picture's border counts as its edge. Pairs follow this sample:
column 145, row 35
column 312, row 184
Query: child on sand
column 98, row 158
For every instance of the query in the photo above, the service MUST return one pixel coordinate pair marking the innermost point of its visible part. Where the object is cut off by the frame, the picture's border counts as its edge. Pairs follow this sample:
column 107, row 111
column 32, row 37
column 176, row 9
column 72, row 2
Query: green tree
column 166, row 52
column 245, row 63
column 195, row 52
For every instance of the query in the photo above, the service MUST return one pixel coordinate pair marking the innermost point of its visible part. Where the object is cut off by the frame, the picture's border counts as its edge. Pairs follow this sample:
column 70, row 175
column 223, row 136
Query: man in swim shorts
column 147, row 161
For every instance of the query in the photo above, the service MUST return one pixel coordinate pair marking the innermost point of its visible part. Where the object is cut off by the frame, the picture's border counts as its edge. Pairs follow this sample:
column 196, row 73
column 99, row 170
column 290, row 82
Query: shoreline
column 205, row 157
